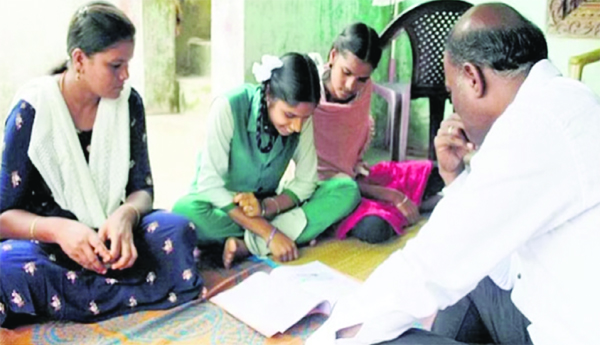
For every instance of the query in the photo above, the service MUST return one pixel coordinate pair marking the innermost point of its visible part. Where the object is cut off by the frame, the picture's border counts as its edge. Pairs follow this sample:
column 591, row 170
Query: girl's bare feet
column 235, row 248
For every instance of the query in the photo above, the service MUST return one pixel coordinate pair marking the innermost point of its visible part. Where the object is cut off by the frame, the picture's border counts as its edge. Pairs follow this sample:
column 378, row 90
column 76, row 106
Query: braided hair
column 264, row 124
column 296, row 81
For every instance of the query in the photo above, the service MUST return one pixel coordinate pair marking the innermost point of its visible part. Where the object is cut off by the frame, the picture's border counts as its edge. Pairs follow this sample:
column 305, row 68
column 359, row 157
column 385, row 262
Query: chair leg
column 389, row 135
column 396, row 118
column 436, row 115
column 404, row 111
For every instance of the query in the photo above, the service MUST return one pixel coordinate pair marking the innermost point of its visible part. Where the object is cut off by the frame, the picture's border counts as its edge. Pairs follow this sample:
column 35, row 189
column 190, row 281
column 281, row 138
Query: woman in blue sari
column 80, row 240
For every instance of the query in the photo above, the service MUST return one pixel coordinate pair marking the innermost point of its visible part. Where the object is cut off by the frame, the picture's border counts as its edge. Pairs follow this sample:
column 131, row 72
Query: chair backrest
column 427, row 25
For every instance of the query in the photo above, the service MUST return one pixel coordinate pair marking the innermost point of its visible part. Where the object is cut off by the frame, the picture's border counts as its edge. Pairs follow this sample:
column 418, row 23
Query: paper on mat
column 272, row 303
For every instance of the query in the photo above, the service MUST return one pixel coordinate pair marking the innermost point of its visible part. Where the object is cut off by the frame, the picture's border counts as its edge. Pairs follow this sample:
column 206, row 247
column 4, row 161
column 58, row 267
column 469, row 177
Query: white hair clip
column 262, row 72
column 82, row 11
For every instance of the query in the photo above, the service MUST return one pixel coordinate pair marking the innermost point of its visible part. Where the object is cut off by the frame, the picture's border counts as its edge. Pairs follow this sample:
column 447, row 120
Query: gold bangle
column 137, row 212
column 32, row 227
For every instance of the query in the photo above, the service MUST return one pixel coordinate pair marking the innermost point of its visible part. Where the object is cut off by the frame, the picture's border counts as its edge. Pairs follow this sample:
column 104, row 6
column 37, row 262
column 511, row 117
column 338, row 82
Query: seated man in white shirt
column 518, row 232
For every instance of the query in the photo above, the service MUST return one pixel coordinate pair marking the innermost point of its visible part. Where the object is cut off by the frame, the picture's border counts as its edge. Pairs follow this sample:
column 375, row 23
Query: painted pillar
column 195, row 26
column 227, row 39
column 160, row 88
column 134, row 10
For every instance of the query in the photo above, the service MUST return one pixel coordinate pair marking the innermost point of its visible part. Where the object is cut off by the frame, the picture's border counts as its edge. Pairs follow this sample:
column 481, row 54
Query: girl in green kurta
column 254, row 131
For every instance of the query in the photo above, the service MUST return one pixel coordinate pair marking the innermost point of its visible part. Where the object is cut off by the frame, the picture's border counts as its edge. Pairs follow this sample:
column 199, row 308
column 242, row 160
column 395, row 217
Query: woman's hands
column 282, row 247
column 83, row 245
column 248, row 203
column 407, row 207
column 118, row 230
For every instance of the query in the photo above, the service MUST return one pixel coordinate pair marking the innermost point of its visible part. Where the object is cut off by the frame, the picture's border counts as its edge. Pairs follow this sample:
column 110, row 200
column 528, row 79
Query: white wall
column 227, row 44
column 33, row 35
column 560, row 49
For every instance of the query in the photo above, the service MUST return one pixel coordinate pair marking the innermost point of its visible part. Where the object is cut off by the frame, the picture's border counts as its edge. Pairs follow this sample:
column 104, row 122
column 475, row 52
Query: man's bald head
column 496, row 36
column 490, row 16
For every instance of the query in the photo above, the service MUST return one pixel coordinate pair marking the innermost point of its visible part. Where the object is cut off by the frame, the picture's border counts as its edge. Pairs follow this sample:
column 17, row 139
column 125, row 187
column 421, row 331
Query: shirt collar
column 540, row 75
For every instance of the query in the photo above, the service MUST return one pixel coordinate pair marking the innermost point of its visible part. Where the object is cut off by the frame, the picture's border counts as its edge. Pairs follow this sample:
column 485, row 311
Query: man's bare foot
column 235, row 248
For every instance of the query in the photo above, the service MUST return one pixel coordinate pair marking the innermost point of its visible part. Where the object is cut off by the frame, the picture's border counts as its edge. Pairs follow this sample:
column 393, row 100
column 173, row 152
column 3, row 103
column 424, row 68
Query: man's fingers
column 452, row 142
column 451, row 126
column 454, row 117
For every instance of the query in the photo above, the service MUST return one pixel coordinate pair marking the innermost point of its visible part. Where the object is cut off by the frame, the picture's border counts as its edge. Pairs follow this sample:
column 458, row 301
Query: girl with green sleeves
column 254, row 132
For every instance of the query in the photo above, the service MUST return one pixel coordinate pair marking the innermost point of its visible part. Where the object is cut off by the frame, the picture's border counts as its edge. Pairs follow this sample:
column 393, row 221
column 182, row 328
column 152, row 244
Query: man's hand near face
column 451, row 147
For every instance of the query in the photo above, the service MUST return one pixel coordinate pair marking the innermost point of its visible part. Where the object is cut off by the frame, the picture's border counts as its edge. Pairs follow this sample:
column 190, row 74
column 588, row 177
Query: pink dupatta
column 408, row 177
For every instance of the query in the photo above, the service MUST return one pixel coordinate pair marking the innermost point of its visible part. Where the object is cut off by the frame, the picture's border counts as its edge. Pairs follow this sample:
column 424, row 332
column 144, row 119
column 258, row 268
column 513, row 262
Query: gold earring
column 77, row 76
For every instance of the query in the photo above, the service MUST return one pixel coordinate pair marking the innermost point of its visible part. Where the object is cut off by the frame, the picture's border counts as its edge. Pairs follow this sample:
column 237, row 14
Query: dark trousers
column 485, row 316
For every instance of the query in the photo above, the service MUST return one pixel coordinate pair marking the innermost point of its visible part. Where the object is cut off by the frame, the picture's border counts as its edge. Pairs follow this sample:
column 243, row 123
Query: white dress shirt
column 527, row 213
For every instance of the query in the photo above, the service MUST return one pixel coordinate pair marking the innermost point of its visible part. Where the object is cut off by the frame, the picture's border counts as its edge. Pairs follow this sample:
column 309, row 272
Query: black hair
column 96, row 27
column 296, row 81
column 507, row 49
column 360, row 40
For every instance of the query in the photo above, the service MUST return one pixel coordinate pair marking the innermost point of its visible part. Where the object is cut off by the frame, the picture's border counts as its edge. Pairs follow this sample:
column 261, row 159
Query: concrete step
column 198, row 50
column 194, row 91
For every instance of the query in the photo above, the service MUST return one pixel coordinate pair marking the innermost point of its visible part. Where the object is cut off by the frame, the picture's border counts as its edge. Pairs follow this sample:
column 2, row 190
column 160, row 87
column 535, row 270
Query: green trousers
column 333, row 200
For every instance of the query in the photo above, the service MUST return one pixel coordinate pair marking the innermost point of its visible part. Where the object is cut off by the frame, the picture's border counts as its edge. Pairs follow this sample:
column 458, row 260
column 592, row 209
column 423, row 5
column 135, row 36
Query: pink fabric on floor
column 408, row 177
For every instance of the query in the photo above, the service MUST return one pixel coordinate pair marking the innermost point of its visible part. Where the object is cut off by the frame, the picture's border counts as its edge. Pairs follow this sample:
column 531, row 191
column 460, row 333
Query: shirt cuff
column 228, row 208
column 292, row 196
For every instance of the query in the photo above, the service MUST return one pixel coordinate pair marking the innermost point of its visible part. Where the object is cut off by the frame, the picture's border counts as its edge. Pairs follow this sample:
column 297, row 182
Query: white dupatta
column 91, row 191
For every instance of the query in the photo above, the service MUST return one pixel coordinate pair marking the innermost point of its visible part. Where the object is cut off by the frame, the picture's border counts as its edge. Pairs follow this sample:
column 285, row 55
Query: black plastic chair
column 427, row 25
